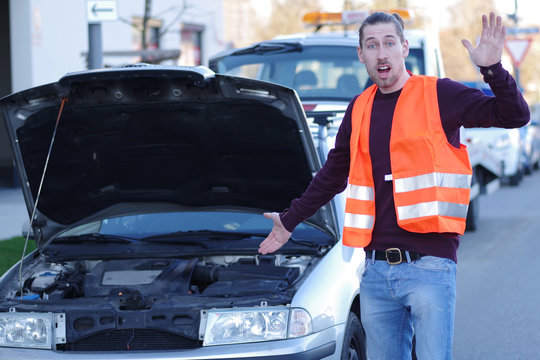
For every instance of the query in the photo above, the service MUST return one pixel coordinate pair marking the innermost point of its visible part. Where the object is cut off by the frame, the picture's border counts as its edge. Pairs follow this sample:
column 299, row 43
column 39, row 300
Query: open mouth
column 383, row 70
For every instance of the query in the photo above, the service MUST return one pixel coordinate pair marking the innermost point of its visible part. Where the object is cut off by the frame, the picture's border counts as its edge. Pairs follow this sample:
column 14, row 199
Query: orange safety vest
column 431, row 178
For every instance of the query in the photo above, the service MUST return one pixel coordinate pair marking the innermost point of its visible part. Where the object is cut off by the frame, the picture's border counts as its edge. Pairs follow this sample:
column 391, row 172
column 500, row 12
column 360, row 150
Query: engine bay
column 217, row 276
column 134, row 300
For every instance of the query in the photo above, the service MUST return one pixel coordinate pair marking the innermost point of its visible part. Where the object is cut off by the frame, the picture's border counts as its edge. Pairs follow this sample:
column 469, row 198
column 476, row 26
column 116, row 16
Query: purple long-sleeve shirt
column 459, row 105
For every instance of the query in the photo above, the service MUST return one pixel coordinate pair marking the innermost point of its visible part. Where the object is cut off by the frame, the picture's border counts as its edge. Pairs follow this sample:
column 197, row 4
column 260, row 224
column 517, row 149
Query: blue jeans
column 395, row 299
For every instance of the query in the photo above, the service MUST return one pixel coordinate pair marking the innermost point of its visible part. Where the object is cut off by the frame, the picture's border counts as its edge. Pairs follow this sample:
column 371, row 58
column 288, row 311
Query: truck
column 323, row 68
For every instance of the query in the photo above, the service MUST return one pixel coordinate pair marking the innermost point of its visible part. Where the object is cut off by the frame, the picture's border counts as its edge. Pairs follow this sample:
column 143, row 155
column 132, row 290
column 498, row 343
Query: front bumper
column 321, row 345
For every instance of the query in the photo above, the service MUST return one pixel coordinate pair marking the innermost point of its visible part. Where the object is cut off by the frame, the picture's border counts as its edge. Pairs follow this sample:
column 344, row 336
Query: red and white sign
column 517, row 48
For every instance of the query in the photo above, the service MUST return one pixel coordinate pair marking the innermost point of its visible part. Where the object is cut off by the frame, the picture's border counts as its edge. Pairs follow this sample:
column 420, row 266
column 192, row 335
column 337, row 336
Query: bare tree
column 147, row 15
column 286, row 18
column 465, row 23
column 418, row 21
column 530, row 77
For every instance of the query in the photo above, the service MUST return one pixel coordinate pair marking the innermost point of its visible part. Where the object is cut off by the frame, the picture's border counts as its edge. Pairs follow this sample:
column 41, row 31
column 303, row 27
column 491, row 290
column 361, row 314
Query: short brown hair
column 382, row 17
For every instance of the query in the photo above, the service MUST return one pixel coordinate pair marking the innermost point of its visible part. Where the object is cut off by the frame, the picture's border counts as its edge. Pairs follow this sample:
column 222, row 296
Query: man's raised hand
column 490, row 47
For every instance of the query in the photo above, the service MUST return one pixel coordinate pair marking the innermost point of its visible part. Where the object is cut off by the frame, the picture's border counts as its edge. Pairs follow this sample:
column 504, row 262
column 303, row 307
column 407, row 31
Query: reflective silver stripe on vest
column 359, row 221
column 431, row 180
column 358, row 192
column 432, row 208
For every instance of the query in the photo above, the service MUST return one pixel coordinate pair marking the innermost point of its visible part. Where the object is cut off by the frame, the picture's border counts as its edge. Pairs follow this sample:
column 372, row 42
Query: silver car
column 146, row 188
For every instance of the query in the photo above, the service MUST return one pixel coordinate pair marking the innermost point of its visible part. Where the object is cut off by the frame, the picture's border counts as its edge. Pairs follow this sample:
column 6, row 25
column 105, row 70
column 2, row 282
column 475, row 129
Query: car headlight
column 233, row 326
column 31, row 330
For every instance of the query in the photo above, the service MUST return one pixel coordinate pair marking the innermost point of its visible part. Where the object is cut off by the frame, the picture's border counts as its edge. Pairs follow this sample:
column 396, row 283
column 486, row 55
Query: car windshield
column 208, row 224
column 315, row 72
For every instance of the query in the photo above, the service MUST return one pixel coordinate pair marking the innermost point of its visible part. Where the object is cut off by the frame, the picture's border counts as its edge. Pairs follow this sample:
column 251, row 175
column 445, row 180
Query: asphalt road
column 498, row 307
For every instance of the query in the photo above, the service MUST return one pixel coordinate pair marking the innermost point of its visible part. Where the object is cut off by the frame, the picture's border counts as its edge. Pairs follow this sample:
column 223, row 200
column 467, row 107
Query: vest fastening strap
column 360, row 192
column 435, row 179
column 432, row 208
column 358, row 221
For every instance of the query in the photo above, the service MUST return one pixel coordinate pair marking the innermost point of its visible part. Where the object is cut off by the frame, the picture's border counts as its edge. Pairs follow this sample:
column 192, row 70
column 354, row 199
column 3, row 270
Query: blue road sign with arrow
column 103, row 10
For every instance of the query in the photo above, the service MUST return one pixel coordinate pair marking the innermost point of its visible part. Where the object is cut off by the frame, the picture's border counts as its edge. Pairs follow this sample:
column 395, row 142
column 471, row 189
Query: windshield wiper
column 270, row 47
column 201, row 237
column 207, row 234
column 95, row 238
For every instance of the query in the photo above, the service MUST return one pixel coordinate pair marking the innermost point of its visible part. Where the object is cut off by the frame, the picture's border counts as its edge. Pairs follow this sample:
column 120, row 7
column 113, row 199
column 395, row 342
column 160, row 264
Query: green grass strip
column 11, row 251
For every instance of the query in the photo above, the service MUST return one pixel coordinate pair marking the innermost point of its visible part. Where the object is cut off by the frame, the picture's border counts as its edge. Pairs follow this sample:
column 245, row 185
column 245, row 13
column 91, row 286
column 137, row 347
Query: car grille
column 131, row 339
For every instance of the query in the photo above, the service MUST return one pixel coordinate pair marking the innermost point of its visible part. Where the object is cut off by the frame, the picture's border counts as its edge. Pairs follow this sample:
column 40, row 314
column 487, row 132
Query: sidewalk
column 13, row 212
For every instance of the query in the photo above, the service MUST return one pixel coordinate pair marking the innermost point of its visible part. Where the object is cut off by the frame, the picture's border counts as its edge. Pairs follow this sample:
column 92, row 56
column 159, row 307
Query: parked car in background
column 148, row 218
column 512, row 147
column 507, row 146
column 531, row 141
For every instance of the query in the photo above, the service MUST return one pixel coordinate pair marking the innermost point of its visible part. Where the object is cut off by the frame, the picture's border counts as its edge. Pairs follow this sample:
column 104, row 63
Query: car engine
column 213, row 276
column 150, row 303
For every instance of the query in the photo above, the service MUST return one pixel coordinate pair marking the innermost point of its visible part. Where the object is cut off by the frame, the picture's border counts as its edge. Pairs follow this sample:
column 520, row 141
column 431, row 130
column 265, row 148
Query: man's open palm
column 277, row 237
column 490, row 46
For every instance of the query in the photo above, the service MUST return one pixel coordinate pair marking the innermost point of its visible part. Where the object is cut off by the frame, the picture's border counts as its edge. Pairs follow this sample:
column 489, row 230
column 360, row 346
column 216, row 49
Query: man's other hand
column 277, row 237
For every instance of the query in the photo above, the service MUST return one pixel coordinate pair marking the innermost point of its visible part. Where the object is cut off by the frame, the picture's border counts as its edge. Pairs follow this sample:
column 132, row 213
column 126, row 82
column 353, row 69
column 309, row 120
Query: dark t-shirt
column 459, row 106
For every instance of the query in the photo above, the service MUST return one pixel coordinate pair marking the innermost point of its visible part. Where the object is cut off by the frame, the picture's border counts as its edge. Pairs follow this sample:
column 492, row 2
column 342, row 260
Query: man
column 398, row 148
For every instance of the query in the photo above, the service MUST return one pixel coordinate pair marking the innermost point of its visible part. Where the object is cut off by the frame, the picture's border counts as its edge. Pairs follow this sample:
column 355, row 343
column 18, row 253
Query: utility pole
column 95, row 46
column 514, row 17
column 147, row 6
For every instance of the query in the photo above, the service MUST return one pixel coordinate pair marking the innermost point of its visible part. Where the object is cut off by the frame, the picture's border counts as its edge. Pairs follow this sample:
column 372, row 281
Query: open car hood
column 147, row 135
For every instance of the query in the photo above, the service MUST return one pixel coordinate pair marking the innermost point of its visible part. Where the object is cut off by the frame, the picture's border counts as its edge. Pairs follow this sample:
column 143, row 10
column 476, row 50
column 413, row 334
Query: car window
column 415, row 61
column 316, row 72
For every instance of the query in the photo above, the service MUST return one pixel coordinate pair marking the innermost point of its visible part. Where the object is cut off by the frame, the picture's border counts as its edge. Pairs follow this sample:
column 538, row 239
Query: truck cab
column 322, row 67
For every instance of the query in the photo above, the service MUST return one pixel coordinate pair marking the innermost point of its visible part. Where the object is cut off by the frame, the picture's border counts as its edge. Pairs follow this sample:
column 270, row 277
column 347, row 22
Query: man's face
column 383, row 54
